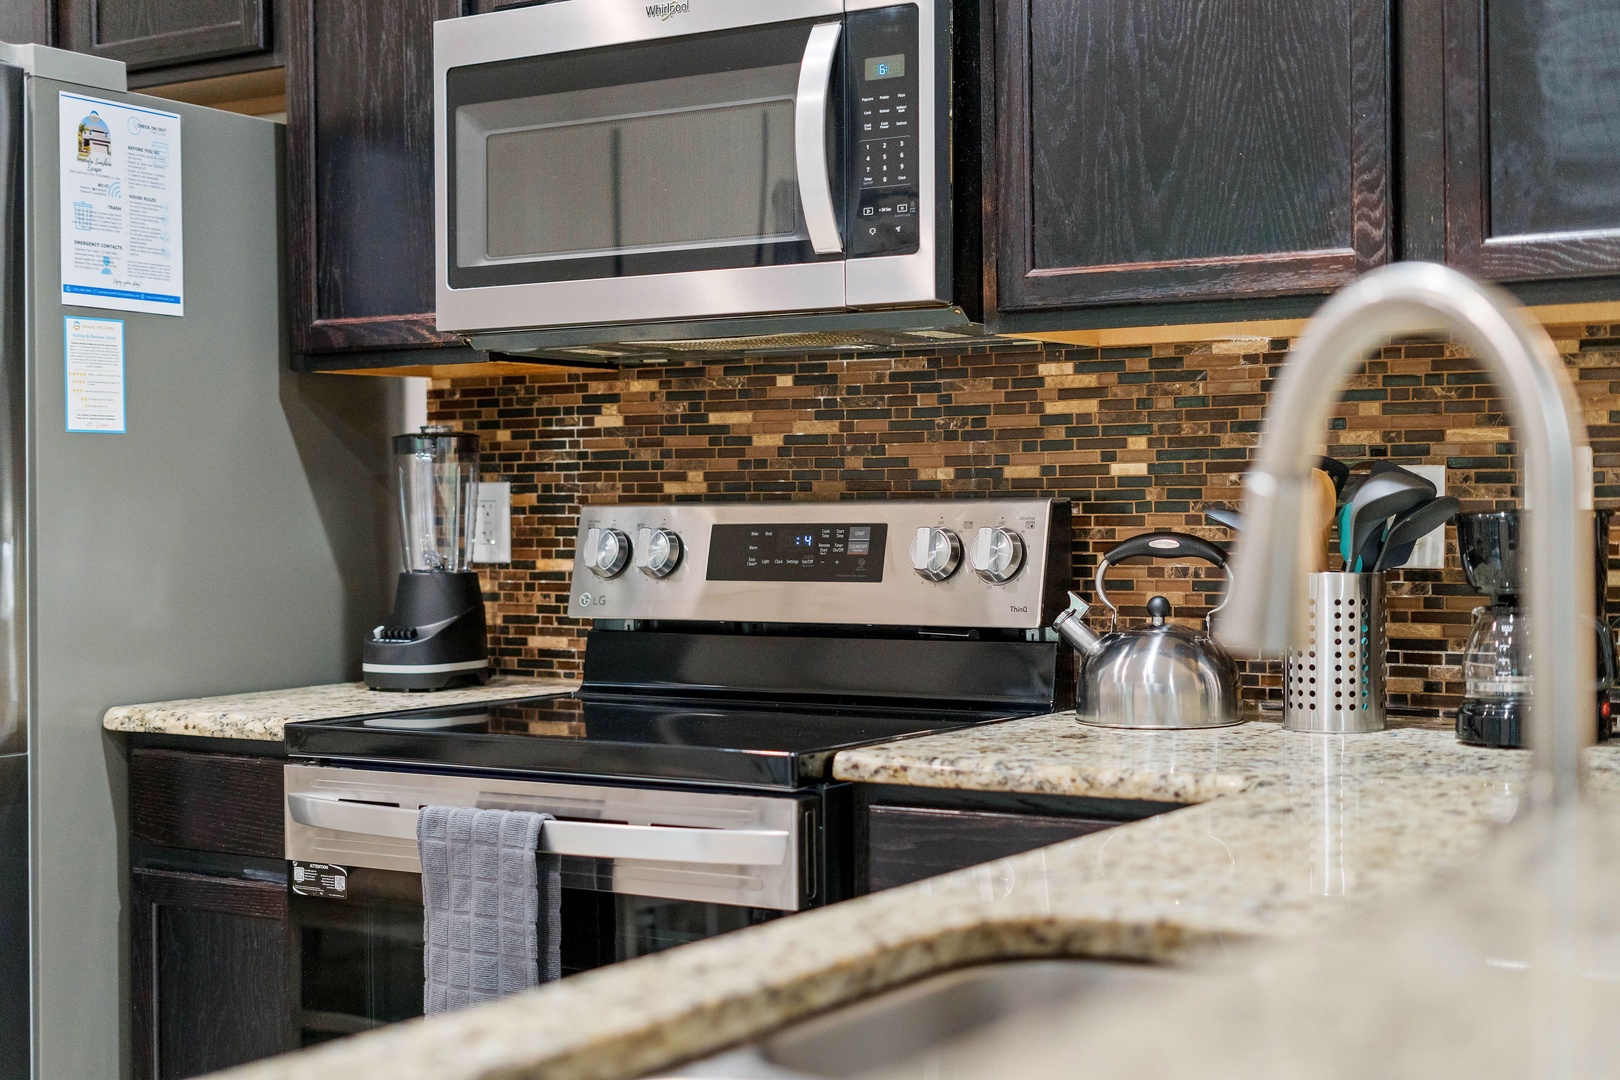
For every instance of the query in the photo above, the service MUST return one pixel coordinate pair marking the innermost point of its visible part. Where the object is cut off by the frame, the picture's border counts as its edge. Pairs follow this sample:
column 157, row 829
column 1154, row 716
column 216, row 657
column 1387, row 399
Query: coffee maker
column 434, row 638
column 1496, row 664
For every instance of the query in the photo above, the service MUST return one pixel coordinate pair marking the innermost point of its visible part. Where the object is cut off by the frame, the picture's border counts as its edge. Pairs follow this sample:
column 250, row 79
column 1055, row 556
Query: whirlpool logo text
column 666, row 12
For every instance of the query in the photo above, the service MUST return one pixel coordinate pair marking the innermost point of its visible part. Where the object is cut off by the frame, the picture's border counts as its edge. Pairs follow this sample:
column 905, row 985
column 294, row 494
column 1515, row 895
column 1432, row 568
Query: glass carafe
column 1496, row 664
column 436, row 470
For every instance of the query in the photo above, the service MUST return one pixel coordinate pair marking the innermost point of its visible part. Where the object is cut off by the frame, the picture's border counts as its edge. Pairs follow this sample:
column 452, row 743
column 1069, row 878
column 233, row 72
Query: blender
column 434, row 638
column 1496, row 662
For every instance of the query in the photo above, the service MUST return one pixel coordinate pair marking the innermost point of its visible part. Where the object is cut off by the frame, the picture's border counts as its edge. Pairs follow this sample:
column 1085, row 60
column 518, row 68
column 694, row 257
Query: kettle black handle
column 1165, row 545
column 1160, row 545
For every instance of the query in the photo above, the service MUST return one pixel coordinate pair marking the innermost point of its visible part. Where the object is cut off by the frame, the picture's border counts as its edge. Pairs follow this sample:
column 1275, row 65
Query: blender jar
column 436, row 470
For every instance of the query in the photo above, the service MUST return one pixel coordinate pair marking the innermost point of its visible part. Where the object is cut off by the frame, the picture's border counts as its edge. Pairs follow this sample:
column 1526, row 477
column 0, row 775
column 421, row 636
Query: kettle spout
column 1071, row 627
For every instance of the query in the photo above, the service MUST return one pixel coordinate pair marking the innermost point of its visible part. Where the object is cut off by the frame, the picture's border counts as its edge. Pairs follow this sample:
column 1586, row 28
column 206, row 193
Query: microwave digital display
column 885, row 67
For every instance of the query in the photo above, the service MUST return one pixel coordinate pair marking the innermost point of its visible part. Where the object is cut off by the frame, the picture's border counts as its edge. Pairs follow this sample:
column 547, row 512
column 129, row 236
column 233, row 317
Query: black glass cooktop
column 697, row 741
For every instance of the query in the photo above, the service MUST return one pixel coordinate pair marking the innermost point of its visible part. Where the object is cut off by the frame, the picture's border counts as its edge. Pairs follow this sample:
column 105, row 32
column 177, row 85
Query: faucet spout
column 1265, row 612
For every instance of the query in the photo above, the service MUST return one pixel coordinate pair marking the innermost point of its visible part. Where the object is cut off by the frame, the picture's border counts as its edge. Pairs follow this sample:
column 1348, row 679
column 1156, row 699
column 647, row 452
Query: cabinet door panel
column 1169, row 148
column 360, row 172
column 149, row 33
column 210, row 973
column 217, row 992
column 1533, row 137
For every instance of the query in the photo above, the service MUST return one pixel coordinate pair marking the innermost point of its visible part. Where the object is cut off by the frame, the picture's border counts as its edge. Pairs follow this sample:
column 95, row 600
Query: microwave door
column 664, row 179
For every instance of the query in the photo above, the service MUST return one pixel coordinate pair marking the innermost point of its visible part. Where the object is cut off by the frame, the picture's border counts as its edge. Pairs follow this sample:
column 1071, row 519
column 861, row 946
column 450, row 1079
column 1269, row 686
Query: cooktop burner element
column 716, row 742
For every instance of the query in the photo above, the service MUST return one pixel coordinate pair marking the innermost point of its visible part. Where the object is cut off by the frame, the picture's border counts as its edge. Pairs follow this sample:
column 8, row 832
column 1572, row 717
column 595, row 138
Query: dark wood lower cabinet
column 227, row 803
column 211, row 972
column 906, row 844
column 941, row 831
column 212, row 965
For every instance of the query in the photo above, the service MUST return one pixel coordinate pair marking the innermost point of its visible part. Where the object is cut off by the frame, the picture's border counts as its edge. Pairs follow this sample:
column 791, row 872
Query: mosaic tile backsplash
column 1139, row 438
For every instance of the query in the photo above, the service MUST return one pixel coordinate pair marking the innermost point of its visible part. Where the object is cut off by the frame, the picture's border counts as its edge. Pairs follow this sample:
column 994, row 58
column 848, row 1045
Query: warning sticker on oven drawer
column 320, row 879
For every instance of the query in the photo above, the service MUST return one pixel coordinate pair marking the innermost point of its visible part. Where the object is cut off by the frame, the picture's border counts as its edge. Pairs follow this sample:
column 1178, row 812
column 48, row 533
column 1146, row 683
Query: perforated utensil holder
column 1335, row 684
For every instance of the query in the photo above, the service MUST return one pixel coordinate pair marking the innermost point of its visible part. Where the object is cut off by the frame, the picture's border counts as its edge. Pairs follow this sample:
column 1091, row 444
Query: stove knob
column 998, row 555
column 606, row 552
column 658, row 552
column 936, row 553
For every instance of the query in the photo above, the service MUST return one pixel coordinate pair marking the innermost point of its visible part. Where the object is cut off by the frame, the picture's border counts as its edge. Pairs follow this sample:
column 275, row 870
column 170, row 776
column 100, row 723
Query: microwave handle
column 590, row 839
column 810, row 138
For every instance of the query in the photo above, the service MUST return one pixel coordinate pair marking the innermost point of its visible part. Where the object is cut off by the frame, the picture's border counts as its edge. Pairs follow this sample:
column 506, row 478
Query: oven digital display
column 817, row 552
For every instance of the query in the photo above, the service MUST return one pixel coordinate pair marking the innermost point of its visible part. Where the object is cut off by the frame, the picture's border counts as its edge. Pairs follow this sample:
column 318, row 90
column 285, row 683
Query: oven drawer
column 750, row 850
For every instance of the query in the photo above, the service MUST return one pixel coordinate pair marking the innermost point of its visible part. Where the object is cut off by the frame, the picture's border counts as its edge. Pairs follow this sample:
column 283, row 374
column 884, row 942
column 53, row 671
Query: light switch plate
column 492, row 523
column 1430, row 552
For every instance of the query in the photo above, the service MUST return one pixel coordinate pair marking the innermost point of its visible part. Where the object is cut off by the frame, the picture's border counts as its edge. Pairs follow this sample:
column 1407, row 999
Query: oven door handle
column 810, row 108
column 590, row 839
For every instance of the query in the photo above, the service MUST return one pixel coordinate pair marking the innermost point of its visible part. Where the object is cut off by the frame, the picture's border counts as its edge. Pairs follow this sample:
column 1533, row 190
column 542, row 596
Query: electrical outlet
column 492, row 523
column 1430, row 552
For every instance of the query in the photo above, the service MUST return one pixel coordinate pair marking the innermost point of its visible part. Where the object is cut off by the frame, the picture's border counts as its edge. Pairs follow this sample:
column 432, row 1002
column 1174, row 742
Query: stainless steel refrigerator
column 232, row 537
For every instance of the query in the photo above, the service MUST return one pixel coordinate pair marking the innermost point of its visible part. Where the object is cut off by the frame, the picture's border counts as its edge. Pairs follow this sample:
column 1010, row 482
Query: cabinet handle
column 590, row 839
column 810, row 138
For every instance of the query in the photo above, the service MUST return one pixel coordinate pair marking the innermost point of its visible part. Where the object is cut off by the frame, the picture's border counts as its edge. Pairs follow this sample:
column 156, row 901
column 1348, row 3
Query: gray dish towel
column 491, row 905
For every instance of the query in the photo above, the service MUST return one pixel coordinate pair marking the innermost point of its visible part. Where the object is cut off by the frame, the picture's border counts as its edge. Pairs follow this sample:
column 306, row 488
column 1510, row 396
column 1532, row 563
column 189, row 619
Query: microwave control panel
column 883, row 102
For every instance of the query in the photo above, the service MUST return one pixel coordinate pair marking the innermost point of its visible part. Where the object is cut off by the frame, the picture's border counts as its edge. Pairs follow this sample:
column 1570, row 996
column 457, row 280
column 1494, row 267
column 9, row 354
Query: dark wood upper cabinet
column 1171, row 149
column 169, row 41
column 1532, row 168
column 24, row 21
column 360, row 173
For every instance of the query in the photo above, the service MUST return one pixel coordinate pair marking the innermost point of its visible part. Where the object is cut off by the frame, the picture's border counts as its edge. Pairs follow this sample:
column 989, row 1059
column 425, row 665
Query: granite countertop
column 1287, row 832
column 261, row 715
column 1056, row 755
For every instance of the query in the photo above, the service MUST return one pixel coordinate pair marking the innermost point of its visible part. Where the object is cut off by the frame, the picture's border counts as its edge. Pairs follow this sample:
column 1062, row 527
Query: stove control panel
column 844, row 563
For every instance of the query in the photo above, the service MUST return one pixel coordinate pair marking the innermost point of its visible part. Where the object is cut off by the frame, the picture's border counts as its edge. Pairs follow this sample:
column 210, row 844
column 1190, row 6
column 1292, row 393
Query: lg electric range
column 734, row 650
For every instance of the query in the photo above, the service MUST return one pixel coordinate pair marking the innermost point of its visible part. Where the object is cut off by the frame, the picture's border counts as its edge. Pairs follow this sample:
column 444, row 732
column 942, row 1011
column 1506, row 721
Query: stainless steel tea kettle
column 1156, row 676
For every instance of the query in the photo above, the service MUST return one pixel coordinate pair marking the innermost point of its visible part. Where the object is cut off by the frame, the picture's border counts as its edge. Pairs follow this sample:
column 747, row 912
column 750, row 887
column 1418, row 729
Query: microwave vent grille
column 819, row 340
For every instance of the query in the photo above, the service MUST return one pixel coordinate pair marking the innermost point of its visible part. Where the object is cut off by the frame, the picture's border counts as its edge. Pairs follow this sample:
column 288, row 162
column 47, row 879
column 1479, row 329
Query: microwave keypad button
column 885, row 162
column 888, row 223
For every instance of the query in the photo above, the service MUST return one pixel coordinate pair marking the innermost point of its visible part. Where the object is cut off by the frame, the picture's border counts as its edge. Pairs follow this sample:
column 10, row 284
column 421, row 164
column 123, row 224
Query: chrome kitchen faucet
column 1265, row 612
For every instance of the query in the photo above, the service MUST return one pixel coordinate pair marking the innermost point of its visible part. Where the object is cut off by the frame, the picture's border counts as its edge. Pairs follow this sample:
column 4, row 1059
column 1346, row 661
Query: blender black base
column 1506, row 724
column 433, row 640
column 425, row 679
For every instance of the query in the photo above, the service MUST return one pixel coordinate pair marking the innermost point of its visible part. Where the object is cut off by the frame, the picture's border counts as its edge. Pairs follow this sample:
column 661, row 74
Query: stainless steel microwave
column 648, row 161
